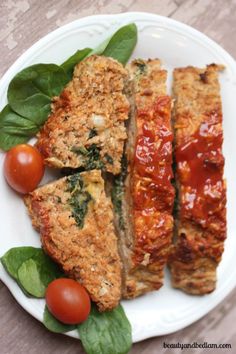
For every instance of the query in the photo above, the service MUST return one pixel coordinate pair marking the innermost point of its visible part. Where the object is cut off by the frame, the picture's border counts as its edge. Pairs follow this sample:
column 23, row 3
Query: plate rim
column 130, row 16
column 180, row 25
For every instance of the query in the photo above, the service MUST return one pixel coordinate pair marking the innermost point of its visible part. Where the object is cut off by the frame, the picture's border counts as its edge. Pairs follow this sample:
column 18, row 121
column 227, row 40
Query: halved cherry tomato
column 23, row 168
column 68, row 301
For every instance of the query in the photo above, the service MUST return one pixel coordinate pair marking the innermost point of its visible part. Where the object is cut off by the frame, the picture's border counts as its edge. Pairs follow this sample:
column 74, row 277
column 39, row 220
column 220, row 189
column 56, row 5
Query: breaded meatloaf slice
column 86, row 127
column 75, row 220
column 144, row 198
column 201, row 219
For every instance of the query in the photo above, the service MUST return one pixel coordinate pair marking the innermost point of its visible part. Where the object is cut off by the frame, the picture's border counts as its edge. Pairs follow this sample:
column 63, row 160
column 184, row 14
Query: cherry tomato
column 68, row 301
column 23, row 168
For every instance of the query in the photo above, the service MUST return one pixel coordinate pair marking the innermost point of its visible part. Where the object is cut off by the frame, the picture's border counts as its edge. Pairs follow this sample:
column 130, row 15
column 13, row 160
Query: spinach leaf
column 77, row 57
column 91, row 155
column 106, row 333
column 122, row 43
column 30, row 91
column 7, row 141
column 99, row 50
column 141, row 66
column 92, row 133
column 118, row 191
column 31, row 268
column 109, row 159
column 79, row 200
column 75, row 182
column 93, row 159
column 14, row 129
column 51, row 323
column 48, row 269
column 29, row 278
column 79, row 203
column 13, row 259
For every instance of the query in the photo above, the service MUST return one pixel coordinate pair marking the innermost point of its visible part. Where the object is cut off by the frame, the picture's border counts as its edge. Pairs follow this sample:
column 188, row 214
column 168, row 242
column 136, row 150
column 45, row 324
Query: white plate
column 166, row 310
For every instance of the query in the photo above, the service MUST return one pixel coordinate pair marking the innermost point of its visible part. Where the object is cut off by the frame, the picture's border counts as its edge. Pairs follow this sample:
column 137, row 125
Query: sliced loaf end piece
column 201, row 217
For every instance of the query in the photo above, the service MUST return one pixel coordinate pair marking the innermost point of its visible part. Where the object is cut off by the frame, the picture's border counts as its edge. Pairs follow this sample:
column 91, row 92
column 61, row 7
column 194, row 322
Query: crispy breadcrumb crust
column 199, row 245
column 88, row 254
column 90, row 111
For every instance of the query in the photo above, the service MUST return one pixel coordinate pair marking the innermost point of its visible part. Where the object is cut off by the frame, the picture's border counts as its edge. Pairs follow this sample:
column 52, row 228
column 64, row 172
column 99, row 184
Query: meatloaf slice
column 201, row 219
column 86, row 127
column 144, row 209
column 75, row 220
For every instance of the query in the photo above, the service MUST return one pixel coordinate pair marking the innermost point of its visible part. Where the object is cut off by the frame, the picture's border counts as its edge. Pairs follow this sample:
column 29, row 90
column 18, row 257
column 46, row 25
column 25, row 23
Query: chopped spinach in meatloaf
column 79, row 198
column 91, row 156
column 118, row 191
